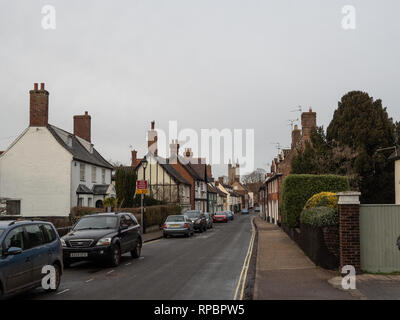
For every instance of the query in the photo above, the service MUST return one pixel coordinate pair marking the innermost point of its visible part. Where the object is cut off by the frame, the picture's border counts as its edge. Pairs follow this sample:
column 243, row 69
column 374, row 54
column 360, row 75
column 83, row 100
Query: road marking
column 66, row 290
column 89, row 280
column 110, row 271
column 243, row 273
column 127, row 264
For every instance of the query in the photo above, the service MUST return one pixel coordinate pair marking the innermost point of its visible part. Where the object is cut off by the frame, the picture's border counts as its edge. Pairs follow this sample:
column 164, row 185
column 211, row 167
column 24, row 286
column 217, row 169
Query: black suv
column 198, row 218
column 103, row 237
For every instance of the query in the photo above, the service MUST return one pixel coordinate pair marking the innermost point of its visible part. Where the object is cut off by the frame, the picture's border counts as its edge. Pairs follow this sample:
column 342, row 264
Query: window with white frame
column 103, row 176
column 94, row 176
column 82, row 169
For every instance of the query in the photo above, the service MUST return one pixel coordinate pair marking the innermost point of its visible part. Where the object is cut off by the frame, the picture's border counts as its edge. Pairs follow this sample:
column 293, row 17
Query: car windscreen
column 100, row 222
column 221, row 214
column 176, row 219
column 192, row 214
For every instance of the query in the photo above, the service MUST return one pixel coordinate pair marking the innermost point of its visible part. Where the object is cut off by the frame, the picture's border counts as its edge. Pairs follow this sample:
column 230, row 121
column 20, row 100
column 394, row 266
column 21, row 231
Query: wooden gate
column 379, row 233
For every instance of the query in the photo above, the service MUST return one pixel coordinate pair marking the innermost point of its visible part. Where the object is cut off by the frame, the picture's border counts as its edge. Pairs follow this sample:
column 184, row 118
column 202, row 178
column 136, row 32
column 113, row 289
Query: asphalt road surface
column 205, row 266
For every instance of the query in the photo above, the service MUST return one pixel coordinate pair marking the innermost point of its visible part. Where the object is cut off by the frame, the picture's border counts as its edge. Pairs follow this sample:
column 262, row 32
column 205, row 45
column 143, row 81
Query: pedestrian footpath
column 283, row 271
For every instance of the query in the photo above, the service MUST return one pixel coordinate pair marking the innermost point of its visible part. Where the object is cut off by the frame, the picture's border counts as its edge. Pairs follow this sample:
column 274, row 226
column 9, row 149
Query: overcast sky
column 205, row 63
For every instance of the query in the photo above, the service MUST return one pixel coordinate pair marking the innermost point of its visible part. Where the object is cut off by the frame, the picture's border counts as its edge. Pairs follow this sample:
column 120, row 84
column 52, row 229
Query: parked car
column 230, row 215
column 245, row 211
column 198, row 218
column 25, row 248
column 221, row 217
column 178, row 225
column 257, row 209
column 103, row 237
column 209, row 219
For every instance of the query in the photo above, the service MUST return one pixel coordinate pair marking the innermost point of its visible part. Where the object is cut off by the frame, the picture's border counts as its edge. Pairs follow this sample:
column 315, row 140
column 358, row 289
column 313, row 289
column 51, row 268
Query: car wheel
column 187, row 235
column 115, row 255
column 165, row 235
column 135, row 253
column 58, row 278
column 205, row 228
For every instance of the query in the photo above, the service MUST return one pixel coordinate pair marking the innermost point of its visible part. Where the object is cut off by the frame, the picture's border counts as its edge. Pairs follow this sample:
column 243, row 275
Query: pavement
column 208, row 266
column 151, row 236
column 284, row 272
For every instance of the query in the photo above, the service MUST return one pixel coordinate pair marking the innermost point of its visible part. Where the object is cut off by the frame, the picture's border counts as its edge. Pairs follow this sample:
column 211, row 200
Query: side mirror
column 12, row 251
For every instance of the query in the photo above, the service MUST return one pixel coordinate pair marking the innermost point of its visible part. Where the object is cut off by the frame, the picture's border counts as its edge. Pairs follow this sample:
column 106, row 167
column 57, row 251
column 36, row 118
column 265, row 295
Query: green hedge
column 320, row 217
column 298, row 188
column 155, row 215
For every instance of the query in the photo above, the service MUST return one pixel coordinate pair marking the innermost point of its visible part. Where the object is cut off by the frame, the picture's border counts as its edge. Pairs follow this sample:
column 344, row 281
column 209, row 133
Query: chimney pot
column 42, row 86
column 35, row 87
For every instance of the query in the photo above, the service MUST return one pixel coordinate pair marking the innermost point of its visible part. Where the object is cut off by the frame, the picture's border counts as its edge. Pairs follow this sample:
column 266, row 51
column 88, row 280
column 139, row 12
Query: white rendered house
column 46, row 171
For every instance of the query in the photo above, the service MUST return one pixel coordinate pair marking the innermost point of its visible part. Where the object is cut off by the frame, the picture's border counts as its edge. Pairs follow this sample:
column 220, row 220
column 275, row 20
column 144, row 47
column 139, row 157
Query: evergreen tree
column 397, row 133
column 364, row 125
column 125, row 186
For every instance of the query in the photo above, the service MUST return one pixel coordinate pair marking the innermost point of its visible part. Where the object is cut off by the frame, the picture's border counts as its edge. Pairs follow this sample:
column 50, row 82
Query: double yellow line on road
column 243, row 275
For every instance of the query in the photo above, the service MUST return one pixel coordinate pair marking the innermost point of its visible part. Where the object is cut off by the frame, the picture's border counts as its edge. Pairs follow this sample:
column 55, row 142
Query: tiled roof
column 136, row 163
column 79, row 152
column 100, row 189
column 211, row 189
column 82, row 189
column 169, row 168
column 174, row 174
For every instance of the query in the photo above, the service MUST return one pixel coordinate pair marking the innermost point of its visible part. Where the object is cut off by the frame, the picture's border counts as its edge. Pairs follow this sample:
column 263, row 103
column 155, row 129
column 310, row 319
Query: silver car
column 178, row 225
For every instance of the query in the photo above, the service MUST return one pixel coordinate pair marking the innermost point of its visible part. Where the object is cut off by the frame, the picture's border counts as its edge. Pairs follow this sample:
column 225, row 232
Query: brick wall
column 349, row 230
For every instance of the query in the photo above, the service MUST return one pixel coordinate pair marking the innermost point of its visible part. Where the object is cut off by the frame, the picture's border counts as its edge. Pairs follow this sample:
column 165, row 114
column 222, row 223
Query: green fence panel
column 379, row 231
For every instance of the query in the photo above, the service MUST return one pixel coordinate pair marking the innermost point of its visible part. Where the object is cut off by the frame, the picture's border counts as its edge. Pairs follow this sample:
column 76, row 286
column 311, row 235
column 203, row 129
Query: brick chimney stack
column 174, row 148
column 82, row 126
column 152, row 140
column 308, row 122
column 39, row 106
column 296, row 136
column 134, row 157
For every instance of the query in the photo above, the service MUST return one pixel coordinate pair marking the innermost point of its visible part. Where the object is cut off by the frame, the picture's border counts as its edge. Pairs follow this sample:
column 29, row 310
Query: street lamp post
column 142, row 204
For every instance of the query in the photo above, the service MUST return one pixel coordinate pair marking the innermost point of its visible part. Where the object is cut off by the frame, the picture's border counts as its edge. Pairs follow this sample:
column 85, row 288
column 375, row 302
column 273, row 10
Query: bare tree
column 257, row 175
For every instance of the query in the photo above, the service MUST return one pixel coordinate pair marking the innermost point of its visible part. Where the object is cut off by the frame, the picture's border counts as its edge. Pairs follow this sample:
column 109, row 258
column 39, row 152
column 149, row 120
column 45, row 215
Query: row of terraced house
column 46, row 171
column 270, row 194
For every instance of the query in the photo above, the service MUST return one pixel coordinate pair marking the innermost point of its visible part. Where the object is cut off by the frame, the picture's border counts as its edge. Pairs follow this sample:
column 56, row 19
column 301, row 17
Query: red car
column 220, row 217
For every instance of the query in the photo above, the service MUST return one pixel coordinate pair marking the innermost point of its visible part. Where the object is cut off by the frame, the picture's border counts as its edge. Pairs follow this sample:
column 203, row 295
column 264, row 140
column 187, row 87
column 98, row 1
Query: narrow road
column 205, row 266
